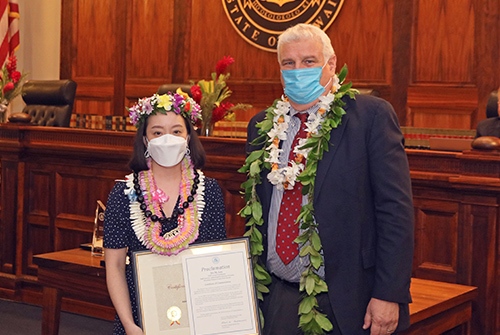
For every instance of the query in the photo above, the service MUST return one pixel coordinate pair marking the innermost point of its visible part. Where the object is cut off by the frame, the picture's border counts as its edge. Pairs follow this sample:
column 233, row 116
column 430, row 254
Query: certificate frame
column 206, row 289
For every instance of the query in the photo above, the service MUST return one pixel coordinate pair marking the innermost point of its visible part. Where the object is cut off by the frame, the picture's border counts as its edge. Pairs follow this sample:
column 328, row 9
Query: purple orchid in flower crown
column 146, row 105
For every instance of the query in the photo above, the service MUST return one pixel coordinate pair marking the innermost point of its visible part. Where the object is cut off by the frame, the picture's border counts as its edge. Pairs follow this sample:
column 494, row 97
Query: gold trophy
column 97, row 237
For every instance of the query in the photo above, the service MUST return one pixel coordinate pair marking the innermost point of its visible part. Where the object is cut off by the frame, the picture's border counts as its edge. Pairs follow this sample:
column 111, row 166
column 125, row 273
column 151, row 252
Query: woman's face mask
column 167, row 150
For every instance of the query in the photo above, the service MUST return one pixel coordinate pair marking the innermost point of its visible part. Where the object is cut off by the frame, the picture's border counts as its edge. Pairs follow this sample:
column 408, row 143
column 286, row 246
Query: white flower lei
column 285, row 177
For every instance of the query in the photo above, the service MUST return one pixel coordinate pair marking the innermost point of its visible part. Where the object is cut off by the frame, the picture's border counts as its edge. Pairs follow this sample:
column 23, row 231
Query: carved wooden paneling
column 7, row 220
column 85, row 186
column 362, row 37
column 39, row 186
column 436, row 237
column 150, row 40
column 401, row 51
column 95, row 48
column 212, row 37
column 39, row 220
column 233, row 201
column 453, row 118
column 95, row 33
column 68, row 238
column 487, row 50
column 454, row 59
column 254, row 74
column 93, row 105
column 404, row 49
column 482, row 238
column 444, row 42
column 223, row 161
column 459, row 189
column 442, row 107
column 74, row 221
column 134, row 92
column 38, row 242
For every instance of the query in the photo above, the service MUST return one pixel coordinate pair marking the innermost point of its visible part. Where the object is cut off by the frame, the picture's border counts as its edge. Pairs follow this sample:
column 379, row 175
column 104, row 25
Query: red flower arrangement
column 10, row 84
column 211, row 94
column 196, row 93
column 221, row 111
column 222, row 65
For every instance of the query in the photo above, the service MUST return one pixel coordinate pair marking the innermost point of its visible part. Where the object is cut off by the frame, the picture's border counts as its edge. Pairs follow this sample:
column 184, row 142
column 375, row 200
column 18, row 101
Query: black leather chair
column 369, row 91
column 492, row 106
column 186, row 88
column 49, row 102
column 491, row 125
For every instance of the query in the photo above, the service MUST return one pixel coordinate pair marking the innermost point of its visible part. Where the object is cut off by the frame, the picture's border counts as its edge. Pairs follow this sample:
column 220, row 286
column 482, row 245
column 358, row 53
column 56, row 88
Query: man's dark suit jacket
column 363, row 205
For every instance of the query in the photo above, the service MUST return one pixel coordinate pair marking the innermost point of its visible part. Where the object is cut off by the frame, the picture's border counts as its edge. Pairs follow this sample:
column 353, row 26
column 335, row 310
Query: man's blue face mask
column 302, row 85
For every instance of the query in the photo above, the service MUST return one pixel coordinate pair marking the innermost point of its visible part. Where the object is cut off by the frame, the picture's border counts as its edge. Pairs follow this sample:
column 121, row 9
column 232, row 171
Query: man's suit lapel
column 324, row 164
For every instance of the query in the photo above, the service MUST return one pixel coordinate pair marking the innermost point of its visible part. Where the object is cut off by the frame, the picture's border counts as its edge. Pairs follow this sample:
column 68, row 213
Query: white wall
column 40, row 41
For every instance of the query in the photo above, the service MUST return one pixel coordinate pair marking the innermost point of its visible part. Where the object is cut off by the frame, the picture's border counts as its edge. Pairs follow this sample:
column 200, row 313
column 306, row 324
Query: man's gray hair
column 302, row 32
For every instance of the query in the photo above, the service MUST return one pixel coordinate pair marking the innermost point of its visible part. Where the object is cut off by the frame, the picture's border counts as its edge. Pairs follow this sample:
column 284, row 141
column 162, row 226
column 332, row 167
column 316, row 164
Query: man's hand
column 381, row 317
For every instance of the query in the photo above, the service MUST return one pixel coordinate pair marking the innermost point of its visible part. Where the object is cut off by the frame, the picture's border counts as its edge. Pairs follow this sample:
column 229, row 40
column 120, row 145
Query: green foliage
column 316, row 242
column 266, row 125
column 343, row 74
column 254, row 156
column 259, row 140
column 307, row 304
column 255, row 167
column 257, row 210
column 323, row 322
column 345, row 87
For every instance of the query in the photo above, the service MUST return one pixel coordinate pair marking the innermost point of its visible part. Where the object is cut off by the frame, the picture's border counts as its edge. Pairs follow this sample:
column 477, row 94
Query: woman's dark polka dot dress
column 118, row 232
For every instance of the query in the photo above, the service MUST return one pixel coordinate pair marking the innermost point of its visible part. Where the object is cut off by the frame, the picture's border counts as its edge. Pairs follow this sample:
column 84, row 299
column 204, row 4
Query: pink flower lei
column 147, row 216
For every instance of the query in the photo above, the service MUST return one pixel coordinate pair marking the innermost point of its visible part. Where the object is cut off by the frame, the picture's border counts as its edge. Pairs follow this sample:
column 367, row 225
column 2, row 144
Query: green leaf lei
column 311, row 322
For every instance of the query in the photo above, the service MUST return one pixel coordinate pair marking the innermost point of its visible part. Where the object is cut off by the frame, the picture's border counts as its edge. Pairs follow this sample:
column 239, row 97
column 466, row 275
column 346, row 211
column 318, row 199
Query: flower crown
column 178, row 102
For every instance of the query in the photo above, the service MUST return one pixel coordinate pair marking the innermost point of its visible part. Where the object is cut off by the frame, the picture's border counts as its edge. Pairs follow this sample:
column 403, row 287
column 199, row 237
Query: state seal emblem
column 260, row 22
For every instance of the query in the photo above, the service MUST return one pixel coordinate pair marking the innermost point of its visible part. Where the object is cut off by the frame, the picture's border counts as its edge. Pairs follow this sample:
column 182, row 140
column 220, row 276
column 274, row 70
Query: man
column 362, row 203
column 491, row 125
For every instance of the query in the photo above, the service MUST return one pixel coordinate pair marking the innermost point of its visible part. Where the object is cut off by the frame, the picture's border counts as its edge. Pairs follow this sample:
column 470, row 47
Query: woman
column 165, row 204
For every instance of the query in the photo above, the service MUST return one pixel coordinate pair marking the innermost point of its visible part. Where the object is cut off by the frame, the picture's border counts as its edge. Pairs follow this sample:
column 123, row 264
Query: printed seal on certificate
column 174, row 314
column 205, row 289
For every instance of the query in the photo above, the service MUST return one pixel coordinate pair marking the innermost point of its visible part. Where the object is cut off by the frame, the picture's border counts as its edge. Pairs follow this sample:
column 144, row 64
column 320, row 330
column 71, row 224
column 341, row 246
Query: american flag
column 9, row 28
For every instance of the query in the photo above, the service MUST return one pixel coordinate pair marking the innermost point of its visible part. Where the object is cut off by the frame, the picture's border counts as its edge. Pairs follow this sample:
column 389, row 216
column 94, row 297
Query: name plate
column 205, row 289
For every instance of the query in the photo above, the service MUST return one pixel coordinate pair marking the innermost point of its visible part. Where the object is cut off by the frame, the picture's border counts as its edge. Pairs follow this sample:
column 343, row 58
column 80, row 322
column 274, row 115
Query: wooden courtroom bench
column 436, row 308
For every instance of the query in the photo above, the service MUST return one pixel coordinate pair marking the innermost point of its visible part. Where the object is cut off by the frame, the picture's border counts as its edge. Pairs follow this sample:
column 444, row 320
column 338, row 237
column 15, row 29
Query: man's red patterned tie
column 287, row 230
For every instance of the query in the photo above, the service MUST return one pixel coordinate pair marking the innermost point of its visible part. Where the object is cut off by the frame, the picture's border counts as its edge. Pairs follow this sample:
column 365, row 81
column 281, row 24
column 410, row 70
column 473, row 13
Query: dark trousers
column 281, row 307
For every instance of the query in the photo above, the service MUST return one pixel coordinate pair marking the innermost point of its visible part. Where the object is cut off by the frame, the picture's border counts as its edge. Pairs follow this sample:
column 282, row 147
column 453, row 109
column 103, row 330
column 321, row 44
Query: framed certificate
column 205, row 289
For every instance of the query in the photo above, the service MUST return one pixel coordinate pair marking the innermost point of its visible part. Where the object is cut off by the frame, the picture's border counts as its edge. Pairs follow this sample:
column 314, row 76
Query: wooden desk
column 71, row 273
column 436, row 308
